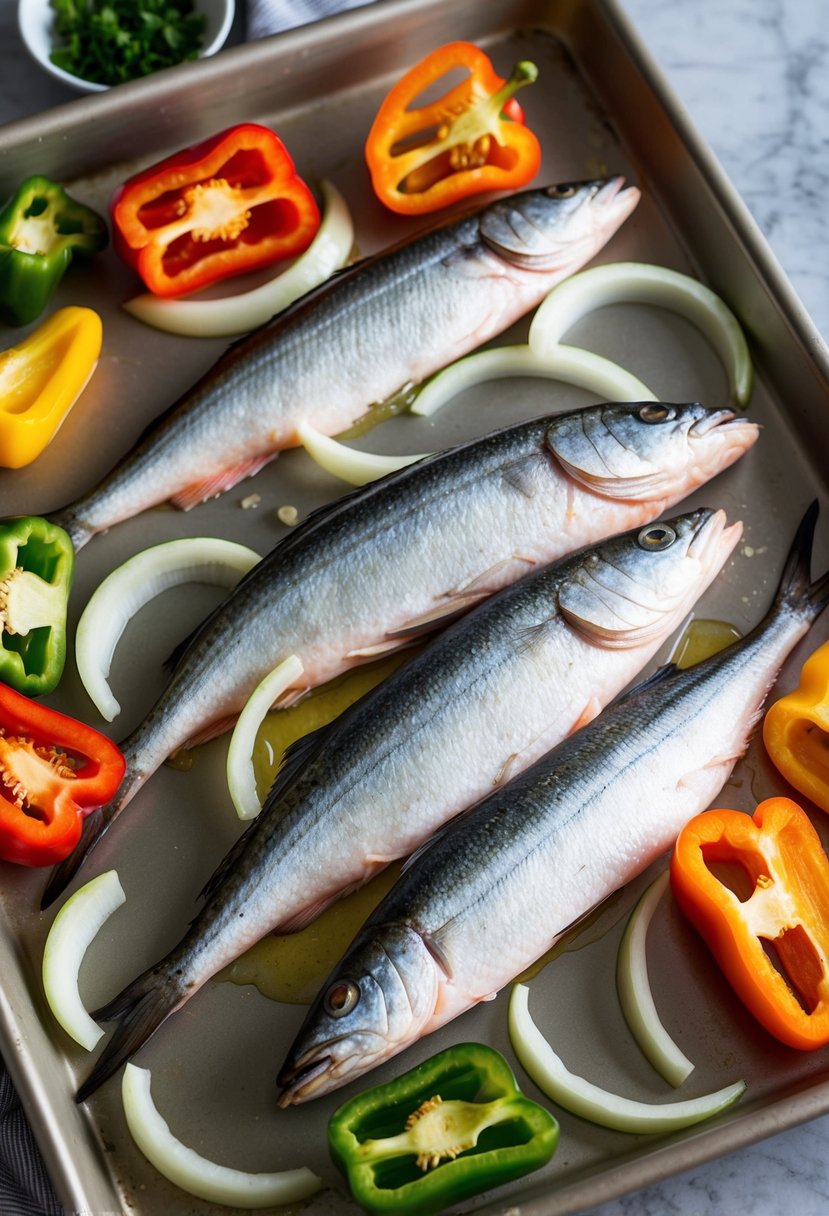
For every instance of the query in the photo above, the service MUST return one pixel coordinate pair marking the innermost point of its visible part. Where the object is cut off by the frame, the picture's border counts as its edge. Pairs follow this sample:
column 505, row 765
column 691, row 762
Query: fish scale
column 491, row 694
column 400, row 557
column 391, row 320
column 522, row 865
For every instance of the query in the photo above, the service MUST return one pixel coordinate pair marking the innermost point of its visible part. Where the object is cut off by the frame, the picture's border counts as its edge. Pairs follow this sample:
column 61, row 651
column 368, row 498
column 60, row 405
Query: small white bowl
column 35, row 19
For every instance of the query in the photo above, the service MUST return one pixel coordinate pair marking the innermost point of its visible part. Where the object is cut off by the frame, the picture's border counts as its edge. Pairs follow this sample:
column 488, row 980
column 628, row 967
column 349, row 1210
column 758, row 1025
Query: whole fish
column 391, row 321
column 402, row 556
column 491, row 894
column 489, row 696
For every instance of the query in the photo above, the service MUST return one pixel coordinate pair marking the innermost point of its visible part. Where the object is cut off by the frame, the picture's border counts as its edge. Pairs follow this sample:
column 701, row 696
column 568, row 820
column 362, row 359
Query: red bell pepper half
column 54, row 770
column 230, row 204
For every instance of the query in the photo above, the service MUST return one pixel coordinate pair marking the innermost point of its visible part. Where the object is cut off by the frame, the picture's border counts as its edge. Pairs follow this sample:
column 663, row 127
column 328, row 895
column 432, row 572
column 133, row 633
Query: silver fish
column 491, row 695
column 402, row 556
column 393, row 320
column 491, row 894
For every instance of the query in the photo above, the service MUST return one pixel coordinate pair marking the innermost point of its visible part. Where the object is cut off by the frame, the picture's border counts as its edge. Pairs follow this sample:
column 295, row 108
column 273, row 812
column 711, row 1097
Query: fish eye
column 656, row 537
column 657, row 412
column 564, row 190
column 341, row 998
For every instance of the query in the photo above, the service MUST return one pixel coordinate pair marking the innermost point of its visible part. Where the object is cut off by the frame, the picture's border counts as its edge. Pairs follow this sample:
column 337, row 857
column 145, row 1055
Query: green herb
column 110, row 41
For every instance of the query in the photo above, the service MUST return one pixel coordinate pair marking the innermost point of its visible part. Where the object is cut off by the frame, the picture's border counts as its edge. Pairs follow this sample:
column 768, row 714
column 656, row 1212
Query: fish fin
column 433, row 945
column 374, row 652
column 212, row 731
column 94, row 826
column 290, row 697
column 453, row 608
column 505, row 772
column 591, row 709
column 796, row 588
column 305, row 916
column 297, row 756
column 481, row 581
column 140, row 1008
column 518, row 476
column 217, row 483
column 650, row 681
column 228, row 861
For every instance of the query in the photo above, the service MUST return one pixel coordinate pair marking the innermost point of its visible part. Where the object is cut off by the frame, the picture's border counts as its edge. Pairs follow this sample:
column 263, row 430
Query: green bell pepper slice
column 448, row 1129
column 37, row 562
column 41, row 229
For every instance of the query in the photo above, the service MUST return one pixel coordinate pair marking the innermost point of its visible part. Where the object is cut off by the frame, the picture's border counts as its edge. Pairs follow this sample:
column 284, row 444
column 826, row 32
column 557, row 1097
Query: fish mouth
column 613, row 194
column 714, row 419
column 714, row 538
column 303, row 1080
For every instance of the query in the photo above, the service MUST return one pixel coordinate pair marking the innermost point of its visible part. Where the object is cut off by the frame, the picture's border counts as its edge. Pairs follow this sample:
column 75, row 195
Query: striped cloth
column 25, row 1189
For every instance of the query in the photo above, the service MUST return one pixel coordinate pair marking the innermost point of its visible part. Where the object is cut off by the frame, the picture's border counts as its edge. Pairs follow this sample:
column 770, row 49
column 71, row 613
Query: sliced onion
column 130, row 586
column 196, row 1174
column 568, row 363
column 241, row 779
column 636, row 997
column 71, row 933
column 238, row 314
column 589, row 1101
column 349, row 464
column 644, row 283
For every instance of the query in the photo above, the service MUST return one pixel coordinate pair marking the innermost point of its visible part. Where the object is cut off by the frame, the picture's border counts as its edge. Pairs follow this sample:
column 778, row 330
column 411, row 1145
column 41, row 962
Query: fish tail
column 78, row 532
column 139, row 1009
column 94, row 827
column 796, row 589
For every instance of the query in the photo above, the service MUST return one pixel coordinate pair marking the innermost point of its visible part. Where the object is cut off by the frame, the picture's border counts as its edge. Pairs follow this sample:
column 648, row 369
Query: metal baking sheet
column 599, row 106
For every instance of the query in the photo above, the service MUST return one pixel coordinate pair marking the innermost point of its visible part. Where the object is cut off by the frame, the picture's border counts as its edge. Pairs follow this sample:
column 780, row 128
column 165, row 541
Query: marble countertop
column 754, row 76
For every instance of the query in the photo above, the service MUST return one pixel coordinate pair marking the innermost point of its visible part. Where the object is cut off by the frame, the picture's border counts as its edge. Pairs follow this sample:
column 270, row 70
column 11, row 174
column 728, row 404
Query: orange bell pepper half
column 230, row 204
column 796, row 731
column 779, row 853
column 470, row 140
column 54, row 771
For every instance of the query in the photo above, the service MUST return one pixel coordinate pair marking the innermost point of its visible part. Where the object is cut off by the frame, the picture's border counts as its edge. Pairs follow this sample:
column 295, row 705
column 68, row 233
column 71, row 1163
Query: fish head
column 635, row 588
column 375, row 1003
column 556, row 228
column 651, row 451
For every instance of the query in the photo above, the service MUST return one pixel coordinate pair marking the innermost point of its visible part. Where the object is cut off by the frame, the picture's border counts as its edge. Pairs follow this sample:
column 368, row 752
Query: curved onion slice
column 349, row 464
column 129, row 587
column 644, row 283
column 635, row 994
column 568, row 363
column 194, row 1173
column 71, row 933
column 238, row 314
column 589, row 1101
column 241, row 779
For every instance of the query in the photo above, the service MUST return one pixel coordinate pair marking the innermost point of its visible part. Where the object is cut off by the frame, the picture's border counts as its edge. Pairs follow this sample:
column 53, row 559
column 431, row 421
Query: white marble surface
column 754, row 75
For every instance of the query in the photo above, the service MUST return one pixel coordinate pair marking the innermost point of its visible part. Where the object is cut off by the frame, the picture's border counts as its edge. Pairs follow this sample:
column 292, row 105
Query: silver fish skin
column 488, row 697
column 391, row 321
column 491, row 893
column 400, row 557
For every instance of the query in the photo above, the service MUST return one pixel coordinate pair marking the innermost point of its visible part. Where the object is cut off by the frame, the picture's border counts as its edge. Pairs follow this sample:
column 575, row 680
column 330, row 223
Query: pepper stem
column 28, row 602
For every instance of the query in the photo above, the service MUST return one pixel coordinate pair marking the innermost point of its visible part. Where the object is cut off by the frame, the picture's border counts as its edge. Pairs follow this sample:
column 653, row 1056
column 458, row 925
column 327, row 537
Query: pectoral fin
column 217, row 483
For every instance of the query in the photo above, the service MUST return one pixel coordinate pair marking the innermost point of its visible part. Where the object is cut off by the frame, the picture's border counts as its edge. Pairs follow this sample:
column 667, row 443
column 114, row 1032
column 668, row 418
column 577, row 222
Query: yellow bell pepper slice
column 796, row 731
column 41, row 379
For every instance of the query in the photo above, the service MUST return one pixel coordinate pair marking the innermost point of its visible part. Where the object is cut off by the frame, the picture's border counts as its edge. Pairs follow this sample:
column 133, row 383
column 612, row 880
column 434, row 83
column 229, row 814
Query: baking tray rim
column 712, row 1140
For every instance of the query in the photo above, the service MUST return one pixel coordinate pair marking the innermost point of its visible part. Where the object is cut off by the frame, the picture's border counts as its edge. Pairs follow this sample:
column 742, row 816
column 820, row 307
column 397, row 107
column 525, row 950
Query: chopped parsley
column 110, row 41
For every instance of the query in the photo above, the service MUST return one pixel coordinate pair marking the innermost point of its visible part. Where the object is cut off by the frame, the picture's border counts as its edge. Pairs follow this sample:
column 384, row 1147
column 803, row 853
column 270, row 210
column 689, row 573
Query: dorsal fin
column 296, row 757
